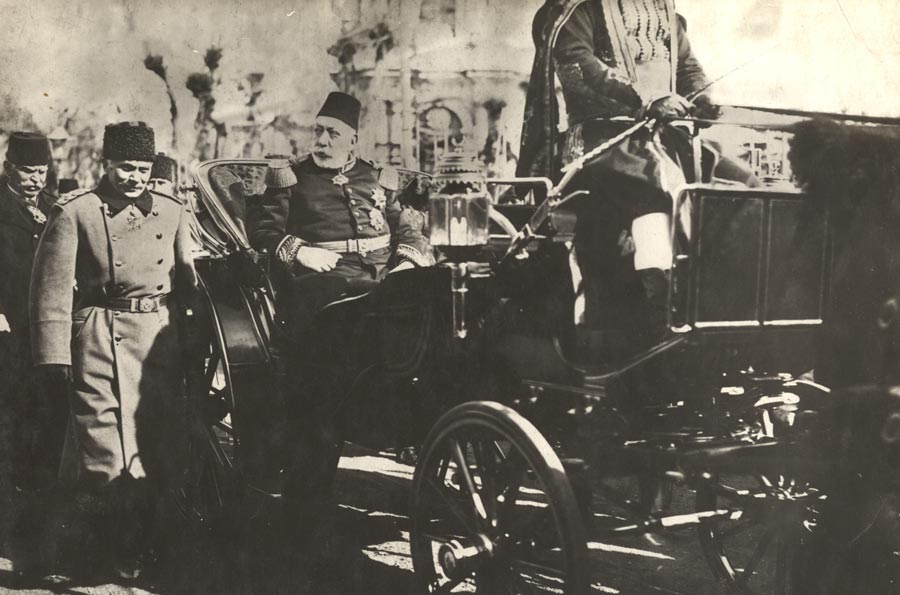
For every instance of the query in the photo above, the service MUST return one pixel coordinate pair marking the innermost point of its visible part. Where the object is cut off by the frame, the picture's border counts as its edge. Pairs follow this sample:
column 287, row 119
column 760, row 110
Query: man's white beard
column 331, row 162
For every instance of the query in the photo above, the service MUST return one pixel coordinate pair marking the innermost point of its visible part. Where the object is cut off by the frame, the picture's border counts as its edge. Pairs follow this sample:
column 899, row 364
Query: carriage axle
column 462, row 557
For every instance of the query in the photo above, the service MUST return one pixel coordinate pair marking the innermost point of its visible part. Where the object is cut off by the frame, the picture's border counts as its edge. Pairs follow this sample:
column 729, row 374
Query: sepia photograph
column 327, row 297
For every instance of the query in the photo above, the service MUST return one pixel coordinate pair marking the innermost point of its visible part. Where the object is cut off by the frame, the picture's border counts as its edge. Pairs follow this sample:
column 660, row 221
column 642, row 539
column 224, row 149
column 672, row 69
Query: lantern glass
column 459, row 219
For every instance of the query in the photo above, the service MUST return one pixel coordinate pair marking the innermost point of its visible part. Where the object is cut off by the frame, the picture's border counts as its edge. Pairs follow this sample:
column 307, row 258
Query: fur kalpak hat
column 163, row 168
column 344, row 107
column 28, row 148
column 129, row 141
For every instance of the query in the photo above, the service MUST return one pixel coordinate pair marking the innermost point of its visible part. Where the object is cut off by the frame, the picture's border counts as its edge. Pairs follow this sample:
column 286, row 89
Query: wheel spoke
column 758, row 554
column 484, row 459
column 462, row 464
column 453, row 506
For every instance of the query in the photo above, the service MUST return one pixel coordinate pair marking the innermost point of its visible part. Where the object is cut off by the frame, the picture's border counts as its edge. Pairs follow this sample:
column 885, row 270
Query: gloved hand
column 671, row 106
column 705, row 109
column 317, row 259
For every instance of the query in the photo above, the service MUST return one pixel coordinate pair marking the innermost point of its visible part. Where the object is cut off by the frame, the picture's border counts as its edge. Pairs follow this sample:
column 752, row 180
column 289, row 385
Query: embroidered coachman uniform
column 130, row 260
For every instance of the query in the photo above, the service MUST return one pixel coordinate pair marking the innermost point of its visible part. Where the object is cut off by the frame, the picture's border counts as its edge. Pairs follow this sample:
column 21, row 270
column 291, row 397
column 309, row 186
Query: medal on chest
column 376, row 219
column 37, row 215
column 133, row 218
column 339, row 180
column 379, row 197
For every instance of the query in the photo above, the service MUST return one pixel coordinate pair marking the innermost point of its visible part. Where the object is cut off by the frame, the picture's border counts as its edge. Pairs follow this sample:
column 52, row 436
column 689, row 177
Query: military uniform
column 353, row 211
column 129, row 260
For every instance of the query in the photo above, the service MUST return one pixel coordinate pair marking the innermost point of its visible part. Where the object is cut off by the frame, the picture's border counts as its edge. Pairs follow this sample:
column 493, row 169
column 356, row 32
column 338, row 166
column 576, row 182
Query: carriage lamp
column 459, row 206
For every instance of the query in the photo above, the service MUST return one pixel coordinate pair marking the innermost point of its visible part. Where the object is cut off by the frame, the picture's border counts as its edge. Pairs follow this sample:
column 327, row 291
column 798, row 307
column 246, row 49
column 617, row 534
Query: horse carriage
column 528, row 445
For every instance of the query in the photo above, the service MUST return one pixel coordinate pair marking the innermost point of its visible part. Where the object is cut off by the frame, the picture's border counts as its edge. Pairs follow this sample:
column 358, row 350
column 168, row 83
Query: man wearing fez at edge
column 333, row 217
column 162, row 176
column 128, row 250
column 29, row 440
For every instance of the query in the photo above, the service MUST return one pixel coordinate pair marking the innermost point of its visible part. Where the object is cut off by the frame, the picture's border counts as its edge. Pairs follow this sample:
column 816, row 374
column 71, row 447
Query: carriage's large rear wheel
column 761, row 547
column 492, row 510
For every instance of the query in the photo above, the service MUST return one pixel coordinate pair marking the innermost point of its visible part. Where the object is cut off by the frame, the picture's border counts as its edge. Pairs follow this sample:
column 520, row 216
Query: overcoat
column 125, row 364
column 20, row 403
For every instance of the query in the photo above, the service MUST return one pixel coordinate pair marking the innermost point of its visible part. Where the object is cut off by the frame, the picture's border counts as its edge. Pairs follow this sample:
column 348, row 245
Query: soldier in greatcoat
column 30, row 441
column 127, row 249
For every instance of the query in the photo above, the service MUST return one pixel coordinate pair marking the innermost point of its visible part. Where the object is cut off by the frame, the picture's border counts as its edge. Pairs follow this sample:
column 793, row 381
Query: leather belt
column 361, row 246
column 140, row 305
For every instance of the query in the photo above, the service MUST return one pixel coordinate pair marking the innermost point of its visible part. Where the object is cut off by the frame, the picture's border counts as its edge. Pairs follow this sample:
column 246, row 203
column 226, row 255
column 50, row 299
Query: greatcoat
column 125, row 364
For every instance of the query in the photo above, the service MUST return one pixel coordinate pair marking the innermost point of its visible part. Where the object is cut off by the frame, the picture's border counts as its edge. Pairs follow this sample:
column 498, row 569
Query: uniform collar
column 116, row 201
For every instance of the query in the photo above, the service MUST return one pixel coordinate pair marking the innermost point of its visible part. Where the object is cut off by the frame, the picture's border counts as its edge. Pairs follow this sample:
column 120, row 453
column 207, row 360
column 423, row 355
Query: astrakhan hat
column 344, row 107
column 163, row 168
column 28, row 148
column 129, row 141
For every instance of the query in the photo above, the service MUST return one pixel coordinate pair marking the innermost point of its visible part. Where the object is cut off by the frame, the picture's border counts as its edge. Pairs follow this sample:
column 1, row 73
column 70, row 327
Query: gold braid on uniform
column 288, row 248
column 414, row 256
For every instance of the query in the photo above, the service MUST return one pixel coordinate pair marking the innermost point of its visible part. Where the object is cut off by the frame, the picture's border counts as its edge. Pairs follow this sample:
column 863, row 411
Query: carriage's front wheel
column 492, row 509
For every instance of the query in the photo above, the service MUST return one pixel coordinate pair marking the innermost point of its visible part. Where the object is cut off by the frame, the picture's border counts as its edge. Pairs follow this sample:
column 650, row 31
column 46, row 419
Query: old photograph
column 450, row 296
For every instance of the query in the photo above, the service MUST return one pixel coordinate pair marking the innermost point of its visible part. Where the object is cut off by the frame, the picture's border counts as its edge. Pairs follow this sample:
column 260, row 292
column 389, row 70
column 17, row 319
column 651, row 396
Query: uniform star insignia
column 134, row 221
column 376, row 219
column 339, row 180
column 379, row 197
column 37, row 215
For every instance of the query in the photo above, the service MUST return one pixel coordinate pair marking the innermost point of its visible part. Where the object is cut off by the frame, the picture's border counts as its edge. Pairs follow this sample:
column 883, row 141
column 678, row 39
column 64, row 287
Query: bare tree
column 202, row 85
column 154, row 63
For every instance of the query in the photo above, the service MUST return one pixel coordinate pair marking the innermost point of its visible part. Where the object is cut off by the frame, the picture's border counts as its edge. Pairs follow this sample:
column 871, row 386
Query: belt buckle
column 145, row 305
column 359, row 249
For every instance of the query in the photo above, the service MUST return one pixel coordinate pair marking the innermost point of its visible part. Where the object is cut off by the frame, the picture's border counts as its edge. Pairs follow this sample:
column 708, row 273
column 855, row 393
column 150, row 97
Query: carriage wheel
column 211, row 488
column 760, row 548
column 492, row 509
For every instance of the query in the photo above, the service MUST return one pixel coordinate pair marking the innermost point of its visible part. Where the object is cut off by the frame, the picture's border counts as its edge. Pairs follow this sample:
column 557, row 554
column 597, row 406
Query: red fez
column 28, row 148
column 163, row 168
column 129, row 141
column 343, row 107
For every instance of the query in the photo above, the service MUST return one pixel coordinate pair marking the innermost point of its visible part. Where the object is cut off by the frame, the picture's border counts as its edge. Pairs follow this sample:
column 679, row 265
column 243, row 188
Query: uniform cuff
column 52, row 342
column 286, row 250
column 414, row 256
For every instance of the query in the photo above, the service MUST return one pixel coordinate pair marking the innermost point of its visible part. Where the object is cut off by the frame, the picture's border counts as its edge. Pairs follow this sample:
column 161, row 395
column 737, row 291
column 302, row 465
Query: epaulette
column 171, row 197
column 280, row 174
column 389, row 177
column 70, row 196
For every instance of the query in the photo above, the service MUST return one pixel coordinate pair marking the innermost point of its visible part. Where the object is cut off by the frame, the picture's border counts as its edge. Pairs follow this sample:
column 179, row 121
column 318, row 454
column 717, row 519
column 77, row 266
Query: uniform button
column 118, row 339
column 156, row 213
column 160, row 261
column 36, row 236
column 353, row 202
column 118, row 263
column 159, row 288
column 116, row 313
column 114, row 238
column 357, row 213
column 159, row 236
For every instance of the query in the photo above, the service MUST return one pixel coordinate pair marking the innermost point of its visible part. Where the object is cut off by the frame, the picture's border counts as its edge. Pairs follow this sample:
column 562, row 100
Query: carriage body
column 719, row 396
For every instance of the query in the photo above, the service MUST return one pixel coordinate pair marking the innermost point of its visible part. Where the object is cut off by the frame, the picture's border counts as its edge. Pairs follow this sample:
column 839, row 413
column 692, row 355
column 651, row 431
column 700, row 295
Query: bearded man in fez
column 332, row 220
column 29, row 440
column 128, row 250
